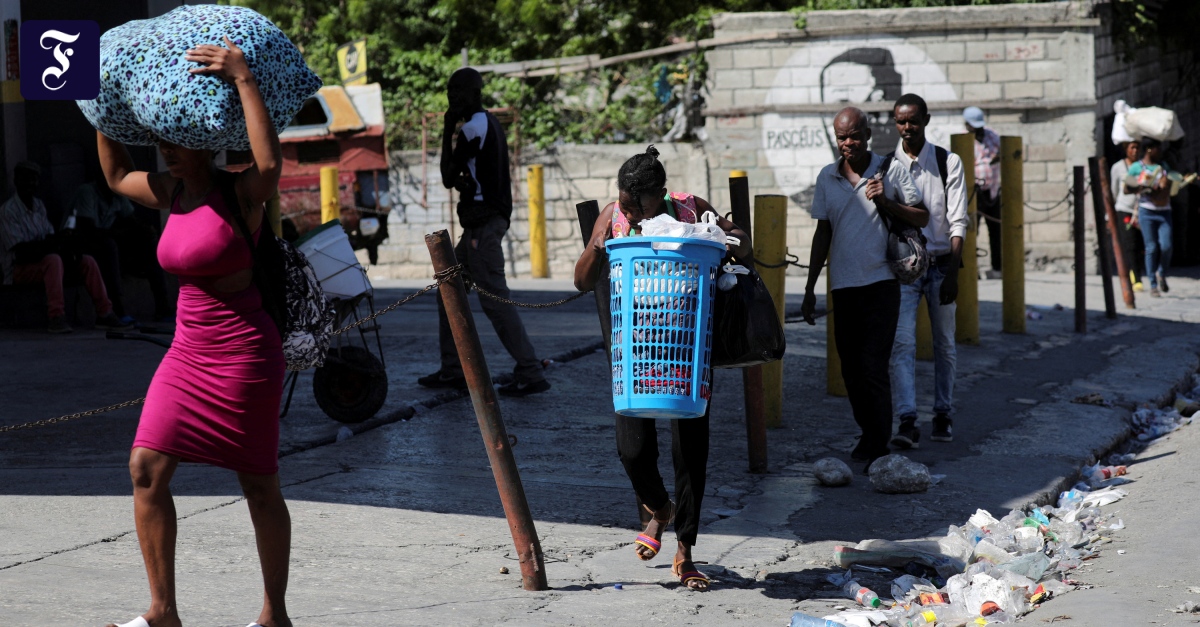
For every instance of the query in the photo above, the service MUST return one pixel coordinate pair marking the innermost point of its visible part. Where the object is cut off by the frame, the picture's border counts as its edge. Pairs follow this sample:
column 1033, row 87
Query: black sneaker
column 943, row 429
column 518, row 390
column 111, row 322
column 440, row 379
column 908, row 435
column 58, row 325
column 1162, row 283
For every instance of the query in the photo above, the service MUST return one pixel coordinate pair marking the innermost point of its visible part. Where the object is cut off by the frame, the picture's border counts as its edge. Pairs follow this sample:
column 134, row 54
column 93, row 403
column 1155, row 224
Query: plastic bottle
column 919, row 616
column 864, row 596
column 800, row 619
column 1104, row 473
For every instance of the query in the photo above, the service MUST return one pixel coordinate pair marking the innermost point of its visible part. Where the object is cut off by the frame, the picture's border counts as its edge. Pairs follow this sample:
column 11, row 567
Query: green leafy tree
column 414, row 45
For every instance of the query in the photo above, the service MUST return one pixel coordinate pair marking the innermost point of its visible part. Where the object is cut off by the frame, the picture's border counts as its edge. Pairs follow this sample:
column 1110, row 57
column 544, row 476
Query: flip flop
column 692, row 575
column 137, row 622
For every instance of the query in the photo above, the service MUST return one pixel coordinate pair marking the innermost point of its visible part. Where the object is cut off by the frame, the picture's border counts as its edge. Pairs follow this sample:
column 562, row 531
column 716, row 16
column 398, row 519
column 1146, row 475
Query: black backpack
column 291, row 294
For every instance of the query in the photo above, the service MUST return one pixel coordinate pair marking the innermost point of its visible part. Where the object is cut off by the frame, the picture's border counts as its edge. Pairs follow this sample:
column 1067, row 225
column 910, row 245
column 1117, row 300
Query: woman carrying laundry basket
column 642, row 196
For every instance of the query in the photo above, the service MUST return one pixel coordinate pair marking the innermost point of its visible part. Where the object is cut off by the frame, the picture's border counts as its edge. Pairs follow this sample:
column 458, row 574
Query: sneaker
column 993, row 275
column 1162, row 284
column 440, row 379
column 1138, row 287
column 111, row 322
column 908, row 435
column 518, row 390
column 943, row 429
column 58, row 324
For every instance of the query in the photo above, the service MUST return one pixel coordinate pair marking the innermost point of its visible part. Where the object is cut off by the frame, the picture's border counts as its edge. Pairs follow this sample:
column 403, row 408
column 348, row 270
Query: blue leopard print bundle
column 147, row 93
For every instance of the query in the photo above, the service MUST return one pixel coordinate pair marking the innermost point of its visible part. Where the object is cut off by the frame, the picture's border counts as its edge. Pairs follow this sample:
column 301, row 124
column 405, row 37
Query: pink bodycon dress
column 215, row 396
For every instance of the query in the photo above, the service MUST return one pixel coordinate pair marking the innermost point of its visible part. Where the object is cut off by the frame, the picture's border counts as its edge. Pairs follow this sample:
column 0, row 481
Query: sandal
column 692, row 579
column 647, row 547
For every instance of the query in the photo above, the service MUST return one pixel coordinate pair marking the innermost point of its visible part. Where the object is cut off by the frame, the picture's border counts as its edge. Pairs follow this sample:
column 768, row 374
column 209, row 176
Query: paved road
column 401, row 523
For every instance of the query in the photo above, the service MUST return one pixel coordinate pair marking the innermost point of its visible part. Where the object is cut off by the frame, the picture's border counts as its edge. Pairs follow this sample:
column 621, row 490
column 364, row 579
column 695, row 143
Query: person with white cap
column 987, row 180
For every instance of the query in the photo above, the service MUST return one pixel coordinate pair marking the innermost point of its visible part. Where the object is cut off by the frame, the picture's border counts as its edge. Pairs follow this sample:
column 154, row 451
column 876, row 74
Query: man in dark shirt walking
column 476, row 164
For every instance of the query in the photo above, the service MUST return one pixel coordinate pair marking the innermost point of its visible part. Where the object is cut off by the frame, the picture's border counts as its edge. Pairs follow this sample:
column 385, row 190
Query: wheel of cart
column 352, row 385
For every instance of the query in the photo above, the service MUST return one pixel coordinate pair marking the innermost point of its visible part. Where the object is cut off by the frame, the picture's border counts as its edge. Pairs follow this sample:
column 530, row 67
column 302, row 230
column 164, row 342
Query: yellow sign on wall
column 352, row 62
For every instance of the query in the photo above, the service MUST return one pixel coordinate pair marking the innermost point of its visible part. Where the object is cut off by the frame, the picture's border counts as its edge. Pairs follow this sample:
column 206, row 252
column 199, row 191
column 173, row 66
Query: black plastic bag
column 746, row 328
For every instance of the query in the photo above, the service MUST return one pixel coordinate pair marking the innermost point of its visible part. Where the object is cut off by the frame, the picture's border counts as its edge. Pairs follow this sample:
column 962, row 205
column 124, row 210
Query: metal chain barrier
column 509, row 301
column 82, row 414
column 788, row 260
column 440, row 277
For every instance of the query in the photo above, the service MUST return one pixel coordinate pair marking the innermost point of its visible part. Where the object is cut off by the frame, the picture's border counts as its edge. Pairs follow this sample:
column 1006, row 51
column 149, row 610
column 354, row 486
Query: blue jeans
column 1156, row 233
column 904, row 351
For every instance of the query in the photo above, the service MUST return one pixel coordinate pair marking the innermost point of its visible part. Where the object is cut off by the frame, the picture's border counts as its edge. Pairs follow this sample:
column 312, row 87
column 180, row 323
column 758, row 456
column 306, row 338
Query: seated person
column 107, row 229
column 29, row 253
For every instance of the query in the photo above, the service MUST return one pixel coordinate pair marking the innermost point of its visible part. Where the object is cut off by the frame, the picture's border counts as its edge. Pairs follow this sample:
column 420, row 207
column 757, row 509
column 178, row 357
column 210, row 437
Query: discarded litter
column 991, row 570
column 897, row 474
column 344, row 434
column 832, row 472
column 800, row 619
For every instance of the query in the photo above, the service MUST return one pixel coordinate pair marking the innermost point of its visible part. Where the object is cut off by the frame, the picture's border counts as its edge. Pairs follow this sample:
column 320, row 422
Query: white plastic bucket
column 333, row 260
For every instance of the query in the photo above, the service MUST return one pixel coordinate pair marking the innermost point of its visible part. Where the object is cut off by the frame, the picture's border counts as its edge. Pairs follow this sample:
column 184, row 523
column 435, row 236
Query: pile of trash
column 989, row 570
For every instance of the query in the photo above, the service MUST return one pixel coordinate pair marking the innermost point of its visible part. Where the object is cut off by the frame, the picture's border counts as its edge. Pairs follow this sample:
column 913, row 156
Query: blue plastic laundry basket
column 662, row 304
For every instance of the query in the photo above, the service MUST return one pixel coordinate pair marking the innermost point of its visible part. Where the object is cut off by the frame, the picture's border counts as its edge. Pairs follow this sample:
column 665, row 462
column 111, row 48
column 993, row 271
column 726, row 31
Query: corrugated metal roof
column 344, row 117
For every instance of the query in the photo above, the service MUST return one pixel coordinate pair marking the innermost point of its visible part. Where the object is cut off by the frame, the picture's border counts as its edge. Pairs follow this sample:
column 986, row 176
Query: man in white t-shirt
column 475, row 162
column 938, row 174
column 850, row 199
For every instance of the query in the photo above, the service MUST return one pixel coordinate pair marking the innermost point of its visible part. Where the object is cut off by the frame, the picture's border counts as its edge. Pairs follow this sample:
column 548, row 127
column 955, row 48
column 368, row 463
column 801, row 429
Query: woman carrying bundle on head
column 642, row 195
column 215, row 397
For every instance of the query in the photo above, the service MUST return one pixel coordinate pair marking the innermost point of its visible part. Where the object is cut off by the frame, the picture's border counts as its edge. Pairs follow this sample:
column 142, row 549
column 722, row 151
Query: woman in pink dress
column 215, row 397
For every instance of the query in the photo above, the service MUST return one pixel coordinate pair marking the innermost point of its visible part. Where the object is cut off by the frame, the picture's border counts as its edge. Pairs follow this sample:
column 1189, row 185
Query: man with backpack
column 858, row 202
column 938, row 175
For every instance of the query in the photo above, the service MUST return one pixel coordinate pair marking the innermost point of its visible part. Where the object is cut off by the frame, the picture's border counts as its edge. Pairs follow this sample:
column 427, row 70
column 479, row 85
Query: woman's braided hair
column 642, row 174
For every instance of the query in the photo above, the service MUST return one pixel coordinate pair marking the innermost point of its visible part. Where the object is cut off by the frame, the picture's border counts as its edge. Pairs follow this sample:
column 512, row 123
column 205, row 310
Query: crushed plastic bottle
column 1099, row 474
column 1031, row 566
column 864, row 596
column 800, row 619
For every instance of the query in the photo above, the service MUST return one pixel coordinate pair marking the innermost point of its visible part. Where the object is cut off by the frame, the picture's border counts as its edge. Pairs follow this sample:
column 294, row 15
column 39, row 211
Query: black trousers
column 637, row 445
column 990, row 207
column 127, row 249
column 864, row 331
column 1133, row 247
column 485, row 264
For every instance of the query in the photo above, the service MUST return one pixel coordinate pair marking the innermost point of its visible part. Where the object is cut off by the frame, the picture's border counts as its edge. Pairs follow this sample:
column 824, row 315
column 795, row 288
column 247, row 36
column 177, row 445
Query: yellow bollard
column 538, row 260
column 1012, row 230
column 924, row 331
column 770, row 247
column 835, row 385
column 330, row 207
column 966, row 318
column 273, row 217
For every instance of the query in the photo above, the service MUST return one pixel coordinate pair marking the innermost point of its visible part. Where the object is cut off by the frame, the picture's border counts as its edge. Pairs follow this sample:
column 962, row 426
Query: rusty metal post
column 752, row 377
column 1102, row 201
column 1080, row 256
column 487, row 412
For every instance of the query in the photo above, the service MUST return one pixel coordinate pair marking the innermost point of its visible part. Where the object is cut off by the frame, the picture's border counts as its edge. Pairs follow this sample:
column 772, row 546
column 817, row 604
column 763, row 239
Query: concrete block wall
column 571, row 174
column 1030, row 66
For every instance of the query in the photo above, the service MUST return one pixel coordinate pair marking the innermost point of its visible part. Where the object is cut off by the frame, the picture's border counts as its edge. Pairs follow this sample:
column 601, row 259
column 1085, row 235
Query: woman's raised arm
column 145, row 188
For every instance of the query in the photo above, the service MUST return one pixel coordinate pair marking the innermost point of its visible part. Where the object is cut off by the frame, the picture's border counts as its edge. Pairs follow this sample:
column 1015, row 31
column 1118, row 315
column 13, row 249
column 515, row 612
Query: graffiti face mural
column 855, row 72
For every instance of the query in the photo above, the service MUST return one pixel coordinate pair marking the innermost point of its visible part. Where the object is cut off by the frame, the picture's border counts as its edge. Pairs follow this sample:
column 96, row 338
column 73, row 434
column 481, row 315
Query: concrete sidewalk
column 401, row 524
